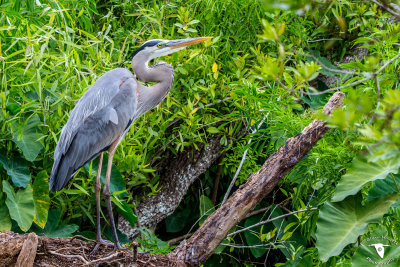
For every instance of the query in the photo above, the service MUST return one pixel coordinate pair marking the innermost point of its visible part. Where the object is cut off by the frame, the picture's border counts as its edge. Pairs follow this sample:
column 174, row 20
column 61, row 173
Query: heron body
column 104, row 114
column 101, row 116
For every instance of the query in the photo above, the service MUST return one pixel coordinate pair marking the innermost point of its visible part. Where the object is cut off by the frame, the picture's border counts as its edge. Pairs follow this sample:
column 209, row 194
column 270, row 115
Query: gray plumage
column 104, row 114
column 97, row 120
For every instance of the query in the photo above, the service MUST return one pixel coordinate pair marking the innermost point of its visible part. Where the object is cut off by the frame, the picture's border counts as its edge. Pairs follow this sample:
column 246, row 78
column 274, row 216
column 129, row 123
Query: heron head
column 158, row 47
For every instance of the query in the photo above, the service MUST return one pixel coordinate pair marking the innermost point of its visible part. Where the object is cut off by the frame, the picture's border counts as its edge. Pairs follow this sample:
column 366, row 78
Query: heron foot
column 100, row 242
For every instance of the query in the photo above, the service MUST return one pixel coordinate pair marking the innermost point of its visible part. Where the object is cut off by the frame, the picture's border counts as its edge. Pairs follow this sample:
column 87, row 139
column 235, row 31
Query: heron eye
column 159, row 45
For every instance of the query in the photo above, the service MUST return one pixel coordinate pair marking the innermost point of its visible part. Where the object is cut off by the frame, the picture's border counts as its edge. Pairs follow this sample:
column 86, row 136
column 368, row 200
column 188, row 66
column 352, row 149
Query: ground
column 60, row 252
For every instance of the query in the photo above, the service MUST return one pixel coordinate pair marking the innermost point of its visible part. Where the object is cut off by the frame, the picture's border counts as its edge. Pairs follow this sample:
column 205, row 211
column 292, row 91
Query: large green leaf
column 20, row 205
column 252, row 237
column 52, row 229
column 360, row 173
column 17, row 169
column 5, row 220
column 41, row 198
column 340, row 223
column 27, row 137
column 383, row 187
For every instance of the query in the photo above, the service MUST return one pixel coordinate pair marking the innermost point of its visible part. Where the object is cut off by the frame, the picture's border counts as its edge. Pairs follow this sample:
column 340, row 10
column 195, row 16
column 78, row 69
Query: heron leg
column 107, row 194
column 97, row 188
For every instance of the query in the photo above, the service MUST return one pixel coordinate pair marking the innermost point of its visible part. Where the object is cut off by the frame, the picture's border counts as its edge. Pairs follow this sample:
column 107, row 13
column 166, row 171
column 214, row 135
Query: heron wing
column 98, row 119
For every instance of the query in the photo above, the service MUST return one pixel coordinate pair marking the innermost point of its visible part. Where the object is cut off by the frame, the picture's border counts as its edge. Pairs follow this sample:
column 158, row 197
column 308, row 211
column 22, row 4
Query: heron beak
column 185, row 42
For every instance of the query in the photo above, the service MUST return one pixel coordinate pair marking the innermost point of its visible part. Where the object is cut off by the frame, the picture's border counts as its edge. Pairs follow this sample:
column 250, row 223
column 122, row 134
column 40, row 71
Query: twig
column 368, row 74
column 394, row 13
column 105, row 258
column 70, row 256
column 269, row 220
column 83, row 259
column 330, row 69
column 339, row 87
column 378, row 91
column 84, row 238
column 276, row 238
column 215, row 103
column 255, row 212
column 325, row 39
column 281, row 84
column 179, row 238
column 253, row 246
column 241, row 162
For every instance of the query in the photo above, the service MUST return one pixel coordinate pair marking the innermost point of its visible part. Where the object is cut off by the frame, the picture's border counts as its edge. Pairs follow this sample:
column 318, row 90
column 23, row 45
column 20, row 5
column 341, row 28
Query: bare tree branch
column 369, row 76
column 394, row 13
column 241, row 162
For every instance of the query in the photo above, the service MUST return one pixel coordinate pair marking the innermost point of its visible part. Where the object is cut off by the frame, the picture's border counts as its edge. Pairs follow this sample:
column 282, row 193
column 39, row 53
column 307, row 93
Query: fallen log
column 201, row 245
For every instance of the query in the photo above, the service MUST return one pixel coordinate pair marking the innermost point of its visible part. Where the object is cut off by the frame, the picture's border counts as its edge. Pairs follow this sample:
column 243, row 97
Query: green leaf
column 326, row 62
column 127, row 213
column 18, row 171
column 213, row 130
column 295, row 238
column 27, row 138
column 360, row 173
column 117, row 182
column 5, row 219
column 41, row 198
column 340, row 223
column 20, row 205
column 253, row 239
column 52, row 229
column 206, row 208
column 384, row 187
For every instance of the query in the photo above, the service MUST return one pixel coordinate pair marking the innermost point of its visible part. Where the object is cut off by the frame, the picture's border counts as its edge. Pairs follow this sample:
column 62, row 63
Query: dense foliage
column 266, row 72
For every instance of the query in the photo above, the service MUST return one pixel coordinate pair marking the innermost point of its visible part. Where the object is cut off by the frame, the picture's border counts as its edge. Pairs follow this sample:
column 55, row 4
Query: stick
column 269, row 220
column 369, row 76
column 241, row 162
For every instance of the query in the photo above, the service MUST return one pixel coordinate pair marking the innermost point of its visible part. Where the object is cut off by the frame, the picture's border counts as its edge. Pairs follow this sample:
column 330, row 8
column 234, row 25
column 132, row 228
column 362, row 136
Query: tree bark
column 28, row 252
column 176, row 175
column 197, row 249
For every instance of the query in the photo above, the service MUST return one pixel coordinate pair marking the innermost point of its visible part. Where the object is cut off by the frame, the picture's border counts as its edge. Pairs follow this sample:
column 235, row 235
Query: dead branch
column 28, row 251
column 368, row 76
column 197, row 249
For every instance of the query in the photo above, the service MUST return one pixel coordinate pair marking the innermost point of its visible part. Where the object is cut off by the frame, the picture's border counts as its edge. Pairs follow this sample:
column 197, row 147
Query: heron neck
column 150, row 96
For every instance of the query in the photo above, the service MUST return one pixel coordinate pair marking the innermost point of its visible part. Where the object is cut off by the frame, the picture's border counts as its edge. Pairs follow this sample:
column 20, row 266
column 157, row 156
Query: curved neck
column 161, row 73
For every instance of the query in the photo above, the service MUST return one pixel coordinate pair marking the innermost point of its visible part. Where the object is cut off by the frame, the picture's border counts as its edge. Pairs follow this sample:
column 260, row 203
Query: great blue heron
column 104, row 114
